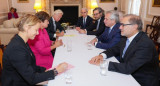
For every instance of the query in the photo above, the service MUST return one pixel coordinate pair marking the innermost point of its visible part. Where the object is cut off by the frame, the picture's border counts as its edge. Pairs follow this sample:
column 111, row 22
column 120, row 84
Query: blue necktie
column 109, row 30
column 127, row 44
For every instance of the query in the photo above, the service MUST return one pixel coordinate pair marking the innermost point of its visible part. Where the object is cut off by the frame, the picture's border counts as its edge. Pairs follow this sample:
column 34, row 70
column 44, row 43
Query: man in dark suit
column 98, row 27
column 138, row 55
column 111, row 35
column 84, row 21
column 54, row 25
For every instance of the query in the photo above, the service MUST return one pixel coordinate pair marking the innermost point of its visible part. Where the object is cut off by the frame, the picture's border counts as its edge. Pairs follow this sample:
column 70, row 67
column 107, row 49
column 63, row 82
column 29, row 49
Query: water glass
column 68, row 77
column 89, row 46
column 69, row 45
column 103, row 67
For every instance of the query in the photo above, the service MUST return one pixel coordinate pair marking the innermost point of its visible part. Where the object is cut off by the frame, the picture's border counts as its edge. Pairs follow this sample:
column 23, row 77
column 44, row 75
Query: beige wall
column 23, row 8
column 4, row 9
column 108, row 6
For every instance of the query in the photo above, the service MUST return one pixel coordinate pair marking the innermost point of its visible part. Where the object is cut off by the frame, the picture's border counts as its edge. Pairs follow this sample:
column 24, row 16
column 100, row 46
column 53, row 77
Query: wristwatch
column 55, row 72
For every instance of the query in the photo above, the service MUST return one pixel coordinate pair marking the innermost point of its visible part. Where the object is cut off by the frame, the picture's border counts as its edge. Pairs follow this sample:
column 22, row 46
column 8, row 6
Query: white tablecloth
column 83, row 73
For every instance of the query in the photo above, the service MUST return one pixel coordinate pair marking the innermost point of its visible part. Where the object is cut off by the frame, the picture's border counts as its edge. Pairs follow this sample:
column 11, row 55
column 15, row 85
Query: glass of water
column 68, row 77
column 89, row 46
column 103, row 67
column 69, row 45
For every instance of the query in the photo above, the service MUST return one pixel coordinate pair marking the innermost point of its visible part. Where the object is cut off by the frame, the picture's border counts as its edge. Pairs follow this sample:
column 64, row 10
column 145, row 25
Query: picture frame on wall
column 156, row 3
column 106, row 1
column 23, row 1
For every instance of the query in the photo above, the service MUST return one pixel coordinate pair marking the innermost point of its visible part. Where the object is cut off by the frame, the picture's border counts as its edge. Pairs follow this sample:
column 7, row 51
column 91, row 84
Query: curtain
column 134, row 7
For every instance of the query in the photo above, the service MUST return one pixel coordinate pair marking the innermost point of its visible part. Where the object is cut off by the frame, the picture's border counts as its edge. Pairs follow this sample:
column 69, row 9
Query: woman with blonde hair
column 19, row 66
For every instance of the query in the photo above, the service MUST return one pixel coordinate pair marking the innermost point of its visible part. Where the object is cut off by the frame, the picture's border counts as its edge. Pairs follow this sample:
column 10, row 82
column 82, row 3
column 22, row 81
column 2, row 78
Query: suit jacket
column 40, row 46
column 106, row 40
column 89, row 21
column 140, row 59
column 101, row 28
column 51, row 30
column 19, row 65
column 10, row 15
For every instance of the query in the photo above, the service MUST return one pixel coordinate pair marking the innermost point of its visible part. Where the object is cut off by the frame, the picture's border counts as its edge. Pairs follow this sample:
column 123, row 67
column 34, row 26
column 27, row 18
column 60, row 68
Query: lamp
column 37, row 5
column 93, row 5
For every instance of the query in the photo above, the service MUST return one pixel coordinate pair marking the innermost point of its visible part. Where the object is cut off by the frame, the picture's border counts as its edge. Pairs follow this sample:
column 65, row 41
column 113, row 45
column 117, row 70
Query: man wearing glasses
column 84, row 21
column 138, row 55
column 98, row 27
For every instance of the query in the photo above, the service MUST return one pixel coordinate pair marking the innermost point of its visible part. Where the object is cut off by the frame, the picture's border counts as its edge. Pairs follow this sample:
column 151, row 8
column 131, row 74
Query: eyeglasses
column 125, row 24
column 95, row 14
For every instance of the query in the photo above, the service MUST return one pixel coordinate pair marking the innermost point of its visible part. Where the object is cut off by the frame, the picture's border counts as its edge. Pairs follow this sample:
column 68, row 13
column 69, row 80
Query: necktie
column 97, row 25
column 127, row 44
column 54, row 23
column 109, row 31
column 84, row 23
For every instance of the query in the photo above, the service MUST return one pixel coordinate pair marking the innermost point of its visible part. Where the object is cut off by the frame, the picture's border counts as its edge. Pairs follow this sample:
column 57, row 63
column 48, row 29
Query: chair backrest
column 155, row 21
column 154, row 35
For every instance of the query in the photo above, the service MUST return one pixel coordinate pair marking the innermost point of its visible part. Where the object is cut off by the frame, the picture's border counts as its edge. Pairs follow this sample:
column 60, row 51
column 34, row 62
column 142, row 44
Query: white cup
column 103, row 67
column 68, row 77
column 69, row 45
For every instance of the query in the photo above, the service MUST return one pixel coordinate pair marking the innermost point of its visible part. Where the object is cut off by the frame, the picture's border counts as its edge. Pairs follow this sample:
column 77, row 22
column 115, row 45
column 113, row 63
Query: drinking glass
column 89, row 46
column 68, row 77
column 69, row 45
column 103, row 67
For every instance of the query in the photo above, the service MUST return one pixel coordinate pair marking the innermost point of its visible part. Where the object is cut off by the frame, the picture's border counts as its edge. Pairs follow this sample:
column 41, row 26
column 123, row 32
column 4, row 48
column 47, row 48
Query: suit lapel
column 123, row 43
column 132, row 44
column 112, row 31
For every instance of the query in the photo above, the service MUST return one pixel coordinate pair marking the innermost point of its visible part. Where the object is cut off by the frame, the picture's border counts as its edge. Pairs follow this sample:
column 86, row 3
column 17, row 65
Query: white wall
column 24, row 7
column 108, row 6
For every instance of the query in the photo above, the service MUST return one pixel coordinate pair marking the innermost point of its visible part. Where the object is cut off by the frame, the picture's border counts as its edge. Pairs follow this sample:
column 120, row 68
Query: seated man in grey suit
column 98, row 27
column 54, row 25
column 84, row 21
column 138, row 55
column 111, row 36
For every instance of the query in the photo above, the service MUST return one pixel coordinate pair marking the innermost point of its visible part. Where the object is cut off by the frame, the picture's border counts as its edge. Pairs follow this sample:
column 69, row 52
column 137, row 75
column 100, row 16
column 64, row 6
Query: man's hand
column 77, row 28
column 96, row 60
column 60, row 34
column 82, row 31
column 93, row 41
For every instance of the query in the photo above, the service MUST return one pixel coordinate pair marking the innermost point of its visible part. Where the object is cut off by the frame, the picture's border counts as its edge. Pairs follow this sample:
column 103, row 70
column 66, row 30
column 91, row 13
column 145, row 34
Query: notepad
column 69, row 35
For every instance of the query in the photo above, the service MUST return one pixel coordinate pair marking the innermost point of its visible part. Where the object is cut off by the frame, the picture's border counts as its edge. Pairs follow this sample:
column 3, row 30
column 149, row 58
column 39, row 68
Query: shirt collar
column 99, row 19
column 112, row 26
column 132, row 37
column 53, row 19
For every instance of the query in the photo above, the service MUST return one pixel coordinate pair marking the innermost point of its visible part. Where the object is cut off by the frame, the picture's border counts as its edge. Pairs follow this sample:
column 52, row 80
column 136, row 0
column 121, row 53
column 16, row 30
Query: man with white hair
column 84, row 21
column 54, row 25
column 111, row 35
